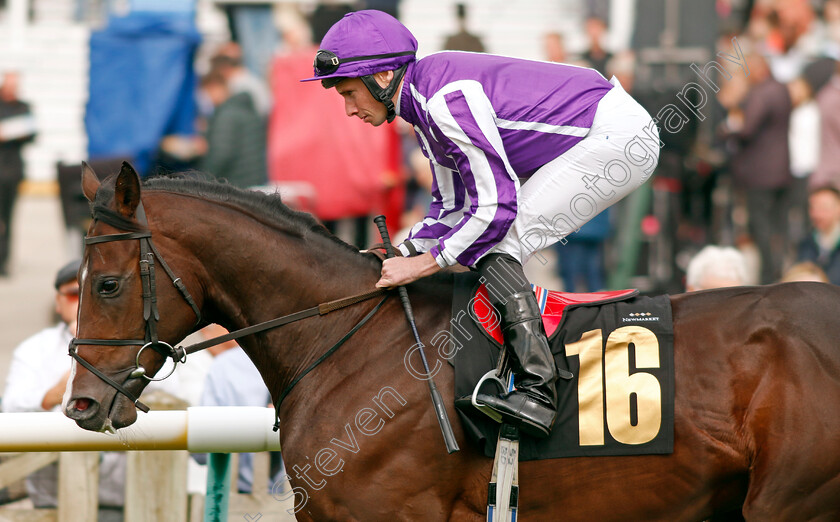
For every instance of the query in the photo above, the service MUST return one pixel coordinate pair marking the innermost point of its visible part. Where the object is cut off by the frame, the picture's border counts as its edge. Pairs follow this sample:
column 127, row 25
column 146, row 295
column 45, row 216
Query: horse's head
column 124, row 291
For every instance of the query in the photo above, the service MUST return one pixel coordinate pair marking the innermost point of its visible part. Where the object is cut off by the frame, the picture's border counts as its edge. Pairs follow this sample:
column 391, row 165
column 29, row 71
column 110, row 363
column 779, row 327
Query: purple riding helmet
column 361, row 44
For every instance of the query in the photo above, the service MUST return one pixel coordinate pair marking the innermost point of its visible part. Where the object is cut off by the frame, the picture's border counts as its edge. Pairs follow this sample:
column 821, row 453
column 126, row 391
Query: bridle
column 151, row 314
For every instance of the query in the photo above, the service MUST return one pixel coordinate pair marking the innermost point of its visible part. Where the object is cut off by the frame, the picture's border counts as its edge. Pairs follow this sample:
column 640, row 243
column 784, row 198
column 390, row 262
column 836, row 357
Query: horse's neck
column 254, row 272
column 307, row 275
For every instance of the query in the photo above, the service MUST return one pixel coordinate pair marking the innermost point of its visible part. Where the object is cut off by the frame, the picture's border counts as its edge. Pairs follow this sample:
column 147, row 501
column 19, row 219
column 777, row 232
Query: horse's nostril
column 86, row 412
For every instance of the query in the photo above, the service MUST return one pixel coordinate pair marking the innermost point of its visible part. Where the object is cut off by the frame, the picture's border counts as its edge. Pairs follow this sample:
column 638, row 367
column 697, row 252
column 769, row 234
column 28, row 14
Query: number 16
column 620, row 386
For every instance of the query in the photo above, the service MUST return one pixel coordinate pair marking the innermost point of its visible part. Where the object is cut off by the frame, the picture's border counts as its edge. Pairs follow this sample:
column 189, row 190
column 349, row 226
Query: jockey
column 523, row 154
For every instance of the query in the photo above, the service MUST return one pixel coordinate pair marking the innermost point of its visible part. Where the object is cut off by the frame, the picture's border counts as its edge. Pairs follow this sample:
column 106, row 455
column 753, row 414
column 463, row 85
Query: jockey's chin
column 374, row 119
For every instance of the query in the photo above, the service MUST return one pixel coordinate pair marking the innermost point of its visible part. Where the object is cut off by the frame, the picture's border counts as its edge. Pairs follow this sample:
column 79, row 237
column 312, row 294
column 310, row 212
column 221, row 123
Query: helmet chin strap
column 385, row 95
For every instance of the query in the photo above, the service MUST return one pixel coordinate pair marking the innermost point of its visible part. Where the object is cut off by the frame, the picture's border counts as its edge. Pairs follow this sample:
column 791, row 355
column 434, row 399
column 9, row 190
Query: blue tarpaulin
column 142, row 85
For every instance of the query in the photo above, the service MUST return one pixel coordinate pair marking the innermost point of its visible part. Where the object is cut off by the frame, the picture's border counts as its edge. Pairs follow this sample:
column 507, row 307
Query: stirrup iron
column 491, row 376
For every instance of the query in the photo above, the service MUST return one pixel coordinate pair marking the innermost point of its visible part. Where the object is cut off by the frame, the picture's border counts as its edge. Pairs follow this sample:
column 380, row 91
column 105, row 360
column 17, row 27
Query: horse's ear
column 127, row 190
column 90, row 182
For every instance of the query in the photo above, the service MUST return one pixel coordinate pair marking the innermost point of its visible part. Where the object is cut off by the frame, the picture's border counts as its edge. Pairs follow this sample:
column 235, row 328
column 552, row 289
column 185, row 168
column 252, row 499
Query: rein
column 321, row 309
column 151, row 314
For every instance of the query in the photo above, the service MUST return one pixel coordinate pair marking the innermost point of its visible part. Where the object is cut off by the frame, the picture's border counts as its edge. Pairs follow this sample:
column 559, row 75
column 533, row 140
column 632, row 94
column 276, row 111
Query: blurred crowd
column 763, row 179
column 750, row 165
column 778, row 136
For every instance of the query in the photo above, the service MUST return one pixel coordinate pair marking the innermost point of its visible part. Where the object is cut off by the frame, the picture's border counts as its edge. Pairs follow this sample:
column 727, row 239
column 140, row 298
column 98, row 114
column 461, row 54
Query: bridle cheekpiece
column 151, row 314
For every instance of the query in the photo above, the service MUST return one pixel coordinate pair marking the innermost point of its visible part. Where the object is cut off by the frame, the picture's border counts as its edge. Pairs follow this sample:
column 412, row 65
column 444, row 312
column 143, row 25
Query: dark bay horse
column 757, row 414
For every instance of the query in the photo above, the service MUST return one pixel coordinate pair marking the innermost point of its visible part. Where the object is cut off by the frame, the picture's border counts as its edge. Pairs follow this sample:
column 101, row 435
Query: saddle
column 552, row 305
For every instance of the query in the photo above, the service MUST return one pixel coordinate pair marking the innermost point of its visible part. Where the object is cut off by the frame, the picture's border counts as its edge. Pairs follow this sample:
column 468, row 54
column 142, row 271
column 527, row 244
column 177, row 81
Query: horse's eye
column 109, row 286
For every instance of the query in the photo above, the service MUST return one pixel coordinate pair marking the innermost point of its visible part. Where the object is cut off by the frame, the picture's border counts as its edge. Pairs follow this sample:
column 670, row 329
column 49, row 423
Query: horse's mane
column 264, row 205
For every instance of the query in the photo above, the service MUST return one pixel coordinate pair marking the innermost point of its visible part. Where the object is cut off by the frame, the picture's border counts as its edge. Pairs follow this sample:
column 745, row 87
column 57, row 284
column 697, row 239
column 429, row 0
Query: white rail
column 199, row 429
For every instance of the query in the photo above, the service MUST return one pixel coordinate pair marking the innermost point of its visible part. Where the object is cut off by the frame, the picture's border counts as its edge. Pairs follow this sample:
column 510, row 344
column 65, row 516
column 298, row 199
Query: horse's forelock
column 105, row 194
column 102, row 207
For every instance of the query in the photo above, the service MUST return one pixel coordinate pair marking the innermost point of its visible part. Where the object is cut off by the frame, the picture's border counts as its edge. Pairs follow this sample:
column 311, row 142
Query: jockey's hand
column 399, row 271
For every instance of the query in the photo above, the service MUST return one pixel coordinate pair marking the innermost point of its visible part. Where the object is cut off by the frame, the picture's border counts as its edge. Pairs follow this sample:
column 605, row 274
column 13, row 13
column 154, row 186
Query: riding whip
column 440, row 411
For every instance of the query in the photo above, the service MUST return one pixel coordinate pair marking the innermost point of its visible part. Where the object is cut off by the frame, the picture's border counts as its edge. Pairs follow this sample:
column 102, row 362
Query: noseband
column 151, row 315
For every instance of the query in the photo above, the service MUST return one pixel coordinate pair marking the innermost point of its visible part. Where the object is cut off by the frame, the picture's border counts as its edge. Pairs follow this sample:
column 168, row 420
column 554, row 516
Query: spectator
column 191, row 376
column 233, row 380
column 596, row 55
column 40, row 368
column 831, row 28
column 716, row 267
column 787, row 56
column 828, row 164
column 761, row 164
column 324, row 15
column 463, row 40
column 581, row 258
column 392, row 7
column 823, row 246
column 17, row 127
column 236, row 141
column 228, row 62
column 805, row 271
column 803, row 137
column 252, row 28
column 419, row 187
column 554, row 46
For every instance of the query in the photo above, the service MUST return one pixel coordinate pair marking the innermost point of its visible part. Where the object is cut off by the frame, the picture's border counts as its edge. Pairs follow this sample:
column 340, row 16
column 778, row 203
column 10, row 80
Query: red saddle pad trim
column 552, row 303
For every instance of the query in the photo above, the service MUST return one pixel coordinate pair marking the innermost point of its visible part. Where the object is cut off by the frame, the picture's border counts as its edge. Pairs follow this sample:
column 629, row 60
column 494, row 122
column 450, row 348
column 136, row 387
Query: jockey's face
column 359, row 102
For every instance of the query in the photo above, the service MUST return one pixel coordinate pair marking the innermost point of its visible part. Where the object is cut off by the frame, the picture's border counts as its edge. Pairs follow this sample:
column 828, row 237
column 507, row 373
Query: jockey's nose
column 350, row 108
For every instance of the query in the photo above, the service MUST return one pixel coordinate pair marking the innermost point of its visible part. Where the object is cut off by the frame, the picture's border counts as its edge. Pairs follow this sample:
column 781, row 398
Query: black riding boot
column 533, row 405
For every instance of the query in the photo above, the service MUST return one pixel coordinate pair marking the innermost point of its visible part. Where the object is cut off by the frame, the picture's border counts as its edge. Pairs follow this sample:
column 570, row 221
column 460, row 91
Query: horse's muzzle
column 90, row 415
